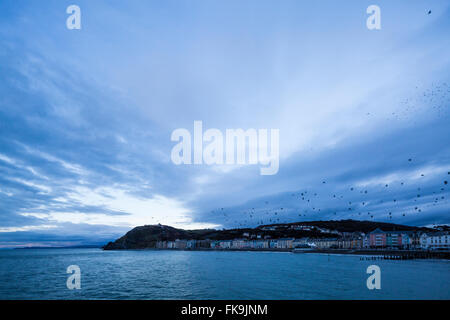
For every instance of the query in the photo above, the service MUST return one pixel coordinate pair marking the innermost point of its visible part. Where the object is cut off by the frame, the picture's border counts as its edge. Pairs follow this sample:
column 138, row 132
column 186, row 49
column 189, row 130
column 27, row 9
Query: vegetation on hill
column 146, row 236
column 353, row 226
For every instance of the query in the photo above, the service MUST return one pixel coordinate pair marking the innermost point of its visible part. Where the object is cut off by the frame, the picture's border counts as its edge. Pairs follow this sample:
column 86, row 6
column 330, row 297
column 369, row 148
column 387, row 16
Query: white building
column 300, row 243
column 366, row 241
column 433, row 241
column 226, row 244
column 285, row 243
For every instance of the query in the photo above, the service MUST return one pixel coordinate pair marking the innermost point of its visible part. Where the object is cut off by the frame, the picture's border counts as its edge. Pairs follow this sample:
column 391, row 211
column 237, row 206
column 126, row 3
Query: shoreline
column 388, row 254
column 384, row 254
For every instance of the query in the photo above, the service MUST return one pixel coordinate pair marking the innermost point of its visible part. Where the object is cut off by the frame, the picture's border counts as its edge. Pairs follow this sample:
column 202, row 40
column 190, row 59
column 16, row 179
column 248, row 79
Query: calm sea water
column 41, row 274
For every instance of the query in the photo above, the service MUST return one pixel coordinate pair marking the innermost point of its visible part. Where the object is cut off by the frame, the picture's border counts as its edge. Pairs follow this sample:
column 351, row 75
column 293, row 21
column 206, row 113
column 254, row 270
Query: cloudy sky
column 86, row 115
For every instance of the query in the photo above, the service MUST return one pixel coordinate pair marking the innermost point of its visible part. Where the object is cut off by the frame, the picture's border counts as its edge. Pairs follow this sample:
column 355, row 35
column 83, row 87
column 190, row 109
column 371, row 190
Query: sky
column 86, row 116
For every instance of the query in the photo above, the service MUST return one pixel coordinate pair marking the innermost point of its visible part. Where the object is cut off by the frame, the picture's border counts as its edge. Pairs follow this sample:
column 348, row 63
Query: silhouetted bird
column 429, row 12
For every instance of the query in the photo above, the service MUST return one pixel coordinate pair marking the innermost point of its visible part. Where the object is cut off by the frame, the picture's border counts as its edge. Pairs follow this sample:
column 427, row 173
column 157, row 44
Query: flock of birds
column 348, row 204
column 354, row 202
column 433, row 99
column 304, row 205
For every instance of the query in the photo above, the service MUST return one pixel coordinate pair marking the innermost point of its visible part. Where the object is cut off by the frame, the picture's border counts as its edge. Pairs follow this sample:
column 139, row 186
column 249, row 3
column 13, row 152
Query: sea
column 164, row 274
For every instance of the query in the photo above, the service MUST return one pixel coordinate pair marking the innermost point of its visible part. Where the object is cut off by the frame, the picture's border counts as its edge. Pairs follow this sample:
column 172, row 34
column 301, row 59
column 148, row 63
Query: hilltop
column 350, row 226
column 146, row 236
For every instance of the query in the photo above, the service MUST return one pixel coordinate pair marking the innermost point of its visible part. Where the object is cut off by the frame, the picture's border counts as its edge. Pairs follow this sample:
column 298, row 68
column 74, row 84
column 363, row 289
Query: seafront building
column 436, row 241
column 285, row 243
column 325, row 243
column 377, row 239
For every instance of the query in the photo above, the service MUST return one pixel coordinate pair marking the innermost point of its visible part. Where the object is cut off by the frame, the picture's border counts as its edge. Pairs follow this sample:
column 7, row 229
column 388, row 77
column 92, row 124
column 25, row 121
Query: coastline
column 383, row 254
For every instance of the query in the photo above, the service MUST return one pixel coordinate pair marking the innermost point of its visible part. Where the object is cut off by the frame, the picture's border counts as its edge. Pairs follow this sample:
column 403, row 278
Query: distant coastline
column 96, row 246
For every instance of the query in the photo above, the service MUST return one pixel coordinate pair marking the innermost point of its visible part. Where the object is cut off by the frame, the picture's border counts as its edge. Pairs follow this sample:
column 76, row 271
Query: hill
column 146, row 236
